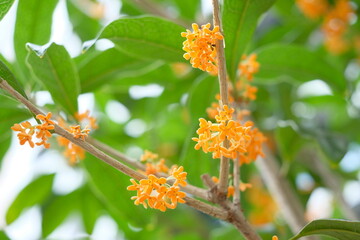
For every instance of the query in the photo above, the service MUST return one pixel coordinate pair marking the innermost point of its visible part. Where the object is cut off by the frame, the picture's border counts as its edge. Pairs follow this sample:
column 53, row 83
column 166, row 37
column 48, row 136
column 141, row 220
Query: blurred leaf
column 85, row 26
column 91, row 210
column 285, row 135
column 240, row 19
column 3, row 236
column 56, row 70
column 226, row 232
column 335, row 145
column 8, row 76
column 130, row 8
column 298, row 63
column 188, row 8
column 197, row 104
column 33, row 24
column 34, row 193
column 339, row 229
column 106, row 66
column 4, row 7
column 58, row 209
column 110, row 186
column 147, row 37
column 10, row 113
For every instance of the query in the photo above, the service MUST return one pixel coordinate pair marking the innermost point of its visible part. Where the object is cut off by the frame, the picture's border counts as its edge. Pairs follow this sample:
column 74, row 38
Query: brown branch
column 195, row 191
column 236, row 170
column 201, row 206
column 288, row 203
column 224, row 100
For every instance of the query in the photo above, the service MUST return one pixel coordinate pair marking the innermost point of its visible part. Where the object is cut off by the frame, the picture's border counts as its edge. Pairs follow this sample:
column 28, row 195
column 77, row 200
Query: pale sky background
column 22, row 163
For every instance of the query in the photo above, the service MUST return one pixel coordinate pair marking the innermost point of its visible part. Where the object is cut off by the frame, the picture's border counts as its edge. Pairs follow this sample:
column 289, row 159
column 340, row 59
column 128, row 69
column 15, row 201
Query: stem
column 196, row 191
column 201, row 206
column 224, row 100
column 236, row 199
column 280, row 189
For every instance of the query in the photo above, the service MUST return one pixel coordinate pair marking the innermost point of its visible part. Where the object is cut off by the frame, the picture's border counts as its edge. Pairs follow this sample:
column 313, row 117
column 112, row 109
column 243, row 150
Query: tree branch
column 224, row 100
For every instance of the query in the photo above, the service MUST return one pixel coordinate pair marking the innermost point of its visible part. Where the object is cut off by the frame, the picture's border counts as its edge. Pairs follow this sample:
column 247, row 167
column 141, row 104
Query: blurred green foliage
column 147, row 50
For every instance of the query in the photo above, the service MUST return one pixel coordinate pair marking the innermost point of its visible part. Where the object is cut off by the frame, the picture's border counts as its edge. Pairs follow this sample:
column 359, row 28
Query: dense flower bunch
column 200, row 47
column 313, row 9
column 153, row 164
column 212, row 136
column 157, row 193
column 26, row 131
column 247, row 68
column 336, row 21
column 73, row 152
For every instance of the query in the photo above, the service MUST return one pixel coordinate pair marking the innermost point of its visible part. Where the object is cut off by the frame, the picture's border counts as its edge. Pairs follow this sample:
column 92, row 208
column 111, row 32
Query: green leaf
column 188, row 8
column 34, row 193
column 298, row 63
column 339, row 229
column 285, row 135
column 106, row 66
column 240, row 19
column 3, row 236
column 10, row 113
column 4, row 7
column 7, row 75
column 57, row 72
column 33, row 24
column 91, row 209
column 147, row 37
column 110, row 185
column 85, row 26
column 197, row 104
column 58, row 209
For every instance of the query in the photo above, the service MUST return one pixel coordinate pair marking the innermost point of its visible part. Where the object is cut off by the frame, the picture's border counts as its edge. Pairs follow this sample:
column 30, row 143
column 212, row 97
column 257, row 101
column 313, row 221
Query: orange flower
column 86, row 119
column 156, row 193
column 73, row 152
column 313, row 8
column 250, row 92
column 249, row 66
column 148, row 156
column 42, row 131
column 274, row 238
column 179, row 175
column 200, row 47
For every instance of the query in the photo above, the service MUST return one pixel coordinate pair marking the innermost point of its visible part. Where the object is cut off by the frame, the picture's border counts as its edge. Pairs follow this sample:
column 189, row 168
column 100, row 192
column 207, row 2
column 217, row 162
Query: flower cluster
column 72, row 151
column 157, row 193
column 212, row 136
column 247, row 68
column 313, row 9
column 41, row 131
column 336, row 21
column 200, row 47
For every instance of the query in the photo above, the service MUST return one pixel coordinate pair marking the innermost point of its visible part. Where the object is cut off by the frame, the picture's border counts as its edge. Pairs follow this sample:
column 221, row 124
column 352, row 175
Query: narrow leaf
column 298, row 63
column 106, row 66
column 58, row 209
column 4, row 7
column 57, row 72
column 240, row 19
column 33, row 24
column 34, row 193
column 339, row 229
column 7, row 75
column 147, row 37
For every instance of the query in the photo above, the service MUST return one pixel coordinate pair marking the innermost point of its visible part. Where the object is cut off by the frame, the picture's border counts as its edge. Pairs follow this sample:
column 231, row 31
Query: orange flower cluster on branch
column 336, row 21
column 156, row 193
column 26, row 131
column 240, row 137
column 200, row 47
column 72, row 151
column 313, row 9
